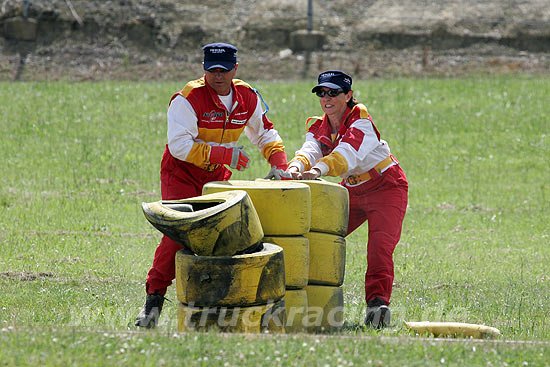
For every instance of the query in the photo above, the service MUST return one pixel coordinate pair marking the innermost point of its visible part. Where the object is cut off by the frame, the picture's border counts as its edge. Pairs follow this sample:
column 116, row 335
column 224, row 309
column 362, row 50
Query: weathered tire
column 241, row 280
column 296, row 250
column 284, row 207
column 254, row 319
column 221, row 224
column 327, row 258
column 325, row 307
column 329, row 207
column 454, row 329
column 296, row 310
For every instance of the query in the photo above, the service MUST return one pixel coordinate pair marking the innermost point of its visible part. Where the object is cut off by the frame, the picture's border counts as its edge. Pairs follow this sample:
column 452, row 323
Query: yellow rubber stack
column 327, row 255
column 296, row 303
column 219, row 224
column 330, row 207
column 227, row 277
column 240, row 293
column 296, row 250
column 284, row 209
column 325, row 306
column 252, row 319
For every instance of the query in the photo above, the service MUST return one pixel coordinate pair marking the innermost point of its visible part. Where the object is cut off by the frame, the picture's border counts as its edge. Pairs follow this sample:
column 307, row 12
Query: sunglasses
column 330, row 92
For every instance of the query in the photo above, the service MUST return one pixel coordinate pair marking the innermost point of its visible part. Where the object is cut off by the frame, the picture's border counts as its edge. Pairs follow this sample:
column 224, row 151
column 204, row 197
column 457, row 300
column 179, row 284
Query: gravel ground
column 147, row 40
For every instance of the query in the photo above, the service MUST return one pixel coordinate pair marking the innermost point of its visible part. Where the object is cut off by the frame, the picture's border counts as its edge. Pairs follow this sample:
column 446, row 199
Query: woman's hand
column 296, row 175
column 312, row 174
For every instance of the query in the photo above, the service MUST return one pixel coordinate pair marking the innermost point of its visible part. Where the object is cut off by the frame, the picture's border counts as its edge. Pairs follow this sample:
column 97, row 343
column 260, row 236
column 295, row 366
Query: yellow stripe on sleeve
column 199, row 154
column 336, row 163
column 272, row 148
column 304, row 160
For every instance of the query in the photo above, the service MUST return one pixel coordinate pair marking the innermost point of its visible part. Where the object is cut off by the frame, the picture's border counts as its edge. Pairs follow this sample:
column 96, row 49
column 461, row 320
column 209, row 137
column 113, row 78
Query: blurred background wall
column 277, row 39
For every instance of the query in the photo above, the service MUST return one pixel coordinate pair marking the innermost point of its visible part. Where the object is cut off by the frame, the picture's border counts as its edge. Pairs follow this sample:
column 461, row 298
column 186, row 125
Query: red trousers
column 382, row 201
column 178, row 180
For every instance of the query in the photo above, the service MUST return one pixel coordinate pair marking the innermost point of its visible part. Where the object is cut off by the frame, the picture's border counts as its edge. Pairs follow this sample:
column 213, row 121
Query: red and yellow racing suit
column 376, row 184
column 197, row 121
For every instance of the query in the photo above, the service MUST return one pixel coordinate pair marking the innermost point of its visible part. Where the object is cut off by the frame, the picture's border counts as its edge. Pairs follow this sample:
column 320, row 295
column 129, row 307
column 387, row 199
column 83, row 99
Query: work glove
column 234, row 157
column 278, row 167
column 278, row 174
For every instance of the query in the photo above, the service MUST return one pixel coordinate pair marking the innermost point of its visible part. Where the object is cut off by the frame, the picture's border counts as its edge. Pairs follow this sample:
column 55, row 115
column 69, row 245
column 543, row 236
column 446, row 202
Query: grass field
column 78, row 160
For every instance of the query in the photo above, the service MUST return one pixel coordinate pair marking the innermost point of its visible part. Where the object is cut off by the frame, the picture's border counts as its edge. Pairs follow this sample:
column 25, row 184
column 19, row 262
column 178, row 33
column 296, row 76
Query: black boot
column 149, row 314
column 378, row 314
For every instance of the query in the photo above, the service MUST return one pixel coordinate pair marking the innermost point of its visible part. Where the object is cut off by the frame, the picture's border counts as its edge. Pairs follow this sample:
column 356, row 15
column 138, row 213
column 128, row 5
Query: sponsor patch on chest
column 238, row 122
column 213, row 116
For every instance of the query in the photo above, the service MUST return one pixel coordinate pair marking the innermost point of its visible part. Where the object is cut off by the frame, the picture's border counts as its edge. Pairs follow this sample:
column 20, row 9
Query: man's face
column 220, row 79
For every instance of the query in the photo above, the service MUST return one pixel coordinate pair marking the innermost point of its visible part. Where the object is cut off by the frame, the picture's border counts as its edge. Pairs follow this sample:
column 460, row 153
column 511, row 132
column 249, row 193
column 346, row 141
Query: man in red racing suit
column 205, row 120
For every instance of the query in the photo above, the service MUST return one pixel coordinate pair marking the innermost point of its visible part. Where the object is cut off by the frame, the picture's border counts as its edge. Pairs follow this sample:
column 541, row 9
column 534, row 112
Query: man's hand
column 234, row 157
column 239, row 158
column 278, row 174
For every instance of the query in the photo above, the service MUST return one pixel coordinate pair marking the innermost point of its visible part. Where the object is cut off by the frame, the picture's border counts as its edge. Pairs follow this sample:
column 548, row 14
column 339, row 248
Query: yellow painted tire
column 325, row 307
column 296, row 310
column 284, row 207
column 296, row 250
column 222, row 224
column 327, row 258
column 254, row 319
column 453, row 329
column 329, row 207
column 240, row 280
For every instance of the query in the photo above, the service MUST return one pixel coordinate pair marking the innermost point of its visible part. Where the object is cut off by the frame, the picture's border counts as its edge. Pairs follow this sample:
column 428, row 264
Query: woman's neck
column 335, row 119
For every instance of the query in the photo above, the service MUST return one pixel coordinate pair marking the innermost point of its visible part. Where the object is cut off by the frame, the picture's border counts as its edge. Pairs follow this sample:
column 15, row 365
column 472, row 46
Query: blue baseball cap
column 219, row 55
column 333, row 79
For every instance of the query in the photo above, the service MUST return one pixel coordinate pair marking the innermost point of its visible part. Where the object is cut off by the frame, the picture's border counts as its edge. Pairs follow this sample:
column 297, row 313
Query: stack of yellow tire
column 240, row 293
column 327, row 255
column 284, row 209
column 227, row 277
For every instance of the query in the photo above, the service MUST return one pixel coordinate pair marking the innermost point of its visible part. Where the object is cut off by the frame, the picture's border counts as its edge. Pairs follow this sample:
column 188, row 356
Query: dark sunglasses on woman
column 330, row 92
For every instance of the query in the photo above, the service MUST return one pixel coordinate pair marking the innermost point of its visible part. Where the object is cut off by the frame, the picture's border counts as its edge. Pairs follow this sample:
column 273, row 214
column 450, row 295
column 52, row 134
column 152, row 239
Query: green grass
column 79, row 158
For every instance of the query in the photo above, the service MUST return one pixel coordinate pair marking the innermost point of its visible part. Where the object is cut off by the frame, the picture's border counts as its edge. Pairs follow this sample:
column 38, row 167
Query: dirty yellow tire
column 327, row 258
column 254, row 319
column 284, row 207
column 240, row 280
column 296, row 250
column 221, row 224
column 325, row 307
column 453, row 329
column 296, row 310
column 329, row 207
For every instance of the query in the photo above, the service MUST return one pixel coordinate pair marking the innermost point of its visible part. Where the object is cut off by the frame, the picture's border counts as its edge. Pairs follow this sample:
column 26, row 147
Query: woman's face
column 336, row 105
